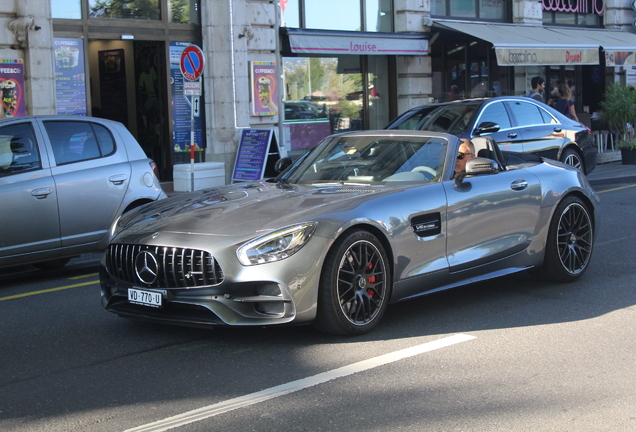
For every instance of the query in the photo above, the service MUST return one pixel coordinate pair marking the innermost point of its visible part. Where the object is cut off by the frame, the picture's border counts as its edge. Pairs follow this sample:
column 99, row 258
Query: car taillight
column 155, row 169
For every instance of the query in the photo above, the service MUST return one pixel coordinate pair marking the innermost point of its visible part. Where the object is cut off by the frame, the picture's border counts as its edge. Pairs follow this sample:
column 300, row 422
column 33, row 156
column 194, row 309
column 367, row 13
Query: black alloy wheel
column 354, row 285
column 570, row 242
column 572, row 158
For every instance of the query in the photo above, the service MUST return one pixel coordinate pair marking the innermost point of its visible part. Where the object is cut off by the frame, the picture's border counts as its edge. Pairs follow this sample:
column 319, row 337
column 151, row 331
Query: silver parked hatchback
column 63, row 182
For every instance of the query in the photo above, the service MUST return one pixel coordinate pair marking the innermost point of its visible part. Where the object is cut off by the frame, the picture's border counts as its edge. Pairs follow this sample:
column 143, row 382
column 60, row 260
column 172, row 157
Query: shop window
column 321, row 96
column 463, row 9
column 482, row 9
column 183, row 11
column 133, row 9
column 66, row 9
column 333, row 14
column 379, row 16
column 338, row 15
column 572, row 19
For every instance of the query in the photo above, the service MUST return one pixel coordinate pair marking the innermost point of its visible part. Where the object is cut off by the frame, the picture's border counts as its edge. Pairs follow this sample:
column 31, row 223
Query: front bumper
column 269, row 294
column 227, row 304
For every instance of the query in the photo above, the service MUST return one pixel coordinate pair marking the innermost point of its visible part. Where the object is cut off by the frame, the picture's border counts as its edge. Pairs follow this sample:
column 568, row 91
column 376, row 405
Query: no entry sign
column 192, row 62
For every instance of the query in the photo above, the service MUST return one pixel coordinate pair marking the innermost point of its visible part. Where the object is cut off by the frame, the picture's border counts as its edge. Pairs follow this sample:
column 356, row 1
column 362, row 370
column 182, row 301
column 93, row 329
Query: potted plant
column 619, row 112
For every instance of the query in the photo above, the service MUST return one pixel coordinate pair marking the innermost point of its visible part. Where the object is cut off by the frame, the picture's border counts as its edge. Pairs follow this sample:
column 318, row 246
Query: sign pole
column 191, row 65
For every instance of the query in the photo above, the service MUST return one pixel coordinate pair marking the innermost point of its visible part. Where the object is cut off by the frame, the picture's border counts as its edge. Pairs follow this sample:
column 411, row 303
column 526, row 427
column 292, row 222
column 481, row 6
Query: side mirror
column 487, row 127
column 480, row 165
column 282, row 164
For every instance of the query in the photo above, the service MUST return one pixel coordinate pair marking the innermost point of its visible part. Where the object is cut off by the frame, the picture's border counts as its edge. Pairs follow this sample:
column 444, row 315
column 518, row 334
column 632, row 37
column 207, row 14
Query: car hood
column 243, row 210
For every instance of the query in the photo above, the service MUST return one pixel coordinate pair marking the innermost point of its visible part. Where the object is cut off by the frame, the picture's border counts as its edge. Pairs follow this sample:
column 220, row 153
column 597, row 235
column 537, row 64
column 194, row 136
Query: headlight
column 277, row 245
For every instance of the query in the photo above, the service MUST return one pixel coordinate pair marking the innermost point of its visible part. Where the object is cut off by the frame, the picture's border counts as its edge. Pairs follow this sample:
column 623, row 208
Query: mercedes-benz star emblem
column 146, row 267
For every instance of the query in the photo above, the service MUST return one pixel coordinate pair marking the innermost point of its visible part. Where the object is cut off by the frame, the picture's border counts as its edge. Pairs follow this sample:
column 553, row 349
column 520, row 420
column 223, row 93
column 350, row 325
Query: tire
column 52, row 264
column 570, row 243
column 355, row 285
column 572, row 158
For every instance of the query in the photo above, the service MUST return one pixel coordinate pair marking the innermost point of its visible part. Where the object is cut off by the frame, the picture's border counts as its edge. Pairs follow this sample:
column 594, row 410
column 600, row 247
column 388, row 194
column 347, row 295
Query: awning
column 525, row 45
column 303, row 41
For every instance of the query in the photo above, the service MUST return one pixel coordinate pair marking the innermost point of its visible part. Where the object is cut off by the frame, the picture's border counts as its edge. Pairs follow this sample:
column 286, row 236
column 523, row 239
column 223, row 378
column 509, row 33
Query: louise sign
column 354, row 44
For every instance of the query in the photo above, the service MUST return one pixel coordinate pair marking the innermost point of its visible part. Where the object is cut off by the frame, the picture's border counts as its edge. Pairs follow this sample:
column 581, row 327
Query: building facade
column 300, row 68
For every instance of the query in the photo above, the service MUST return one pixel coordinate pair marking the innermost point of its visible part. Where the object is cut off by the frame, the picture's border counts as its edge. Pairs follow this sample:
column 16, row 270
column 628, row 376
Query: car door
column 490, row 217
column 29, row 213
column 541, row 132
column 508, row 137
column 91, row 174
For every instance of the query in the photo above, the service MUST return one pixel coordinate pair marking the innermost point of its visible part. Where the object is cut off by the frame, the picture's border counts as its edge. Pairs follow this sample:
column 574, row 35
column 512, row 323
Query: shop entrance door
column 129, row 85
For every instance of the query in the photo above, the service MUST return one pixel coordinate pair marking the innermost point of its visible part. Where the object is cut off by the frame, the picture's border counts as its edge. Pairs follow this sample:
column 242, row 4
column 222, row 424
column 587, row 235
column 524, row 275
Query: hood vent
column 348, row 190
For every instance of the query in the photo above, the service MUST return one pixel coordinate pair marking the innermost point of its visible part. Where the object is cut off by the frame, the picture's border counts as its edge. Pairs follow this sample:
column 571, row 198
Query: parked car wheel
column 52, row 264
column 355, row 285
column 570, row 241
column 572, row 158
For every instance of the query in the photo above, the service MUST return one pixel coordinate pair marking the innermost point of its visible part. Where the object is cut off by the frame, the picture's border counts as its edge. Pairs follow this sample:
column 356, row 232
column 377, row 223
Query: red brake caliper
column 371, row 279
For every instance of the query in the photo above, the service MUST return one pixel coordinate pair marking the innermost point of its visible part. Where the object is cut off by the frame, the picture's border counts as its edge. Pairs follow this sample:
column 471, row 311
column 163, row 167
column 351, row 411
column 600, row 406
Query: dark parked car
column 303, row 110
column 360, row 221
column 63, row 181
column 517, row 124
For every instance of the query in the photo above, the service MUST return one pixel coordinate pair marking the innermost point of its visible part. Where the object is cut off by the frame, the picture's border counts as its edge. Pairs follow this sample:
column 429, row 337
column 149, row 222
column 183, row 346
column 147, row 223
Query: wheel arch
column 591, row 208
column 377, row 232
column 137, row 203
column 575, row 148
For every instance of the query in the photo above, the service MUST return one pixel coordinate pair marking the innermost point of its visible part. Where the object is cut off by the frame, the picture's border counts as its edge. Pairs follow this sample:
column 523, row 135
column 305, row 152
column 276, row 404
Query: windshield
column 362, row 159
column 452, row 118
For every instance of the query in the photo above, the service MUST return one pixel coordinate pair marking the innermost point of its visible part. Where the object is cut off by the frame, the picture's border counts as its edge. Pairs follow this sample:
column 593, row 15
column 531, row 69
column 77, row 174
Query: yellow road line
column 618, row 188
column 84, row 276
column 48, row 290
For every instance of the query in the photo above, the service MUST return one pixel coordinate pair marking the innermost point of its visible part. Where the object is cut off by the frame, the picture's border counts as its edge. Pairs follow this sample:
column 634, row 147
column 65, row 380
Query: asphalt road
column 506, row 355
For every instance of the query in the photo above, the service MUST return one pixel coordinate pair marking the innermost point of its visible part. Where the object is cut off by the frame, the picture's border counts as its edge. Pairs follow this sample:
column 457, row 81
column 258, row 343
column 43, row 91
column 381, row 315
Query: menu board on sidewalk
column 254, row 154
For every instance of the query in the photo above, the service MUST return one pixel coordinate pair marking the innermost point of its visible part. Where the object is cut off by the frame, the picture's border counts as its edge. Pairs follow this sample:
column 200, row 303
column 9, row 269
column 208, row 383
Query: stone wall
column 26, row 33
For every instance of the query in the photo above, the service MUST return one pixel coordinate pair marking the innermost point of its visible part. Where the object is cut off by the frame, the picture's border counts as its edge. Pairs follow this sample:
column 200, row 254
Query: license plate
column 145, row 298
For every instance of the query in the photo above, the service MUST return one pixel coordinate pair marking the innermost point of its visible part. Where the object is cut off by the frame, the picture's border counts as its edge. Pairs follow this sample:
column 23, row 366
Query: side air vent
column 427, row 225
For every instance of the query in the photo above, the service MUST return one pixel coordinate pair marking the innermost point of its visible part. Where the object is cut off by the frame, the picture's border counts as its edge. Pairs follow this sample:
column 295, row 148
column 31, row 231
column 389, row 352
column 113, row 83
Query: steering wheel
column 428, row 172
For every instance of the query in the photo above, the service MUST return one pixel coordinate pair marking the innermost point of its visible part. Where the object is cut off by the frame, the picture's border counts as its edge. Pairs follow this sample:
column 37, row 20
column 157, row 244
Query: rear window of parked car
column 74, row 141
column 18, row 149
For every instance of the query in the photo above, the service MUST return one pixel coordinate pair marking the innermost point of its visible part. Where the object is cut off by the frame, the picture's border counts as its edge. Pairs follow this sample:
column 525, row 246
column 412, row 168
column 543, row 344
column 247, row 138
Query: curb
column 613, row 180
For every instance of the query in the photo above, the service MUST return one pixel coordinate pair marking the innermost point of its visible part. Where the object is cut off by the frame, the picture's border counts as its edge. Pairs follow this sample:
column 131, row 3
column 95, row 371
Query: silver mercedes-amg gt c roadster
column 360, row 221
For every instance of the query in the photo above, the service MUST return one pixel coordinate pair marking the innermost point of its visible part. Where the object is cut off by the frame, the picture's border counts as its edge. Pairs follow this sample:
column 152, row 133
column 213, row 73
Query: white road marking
column 294, row 386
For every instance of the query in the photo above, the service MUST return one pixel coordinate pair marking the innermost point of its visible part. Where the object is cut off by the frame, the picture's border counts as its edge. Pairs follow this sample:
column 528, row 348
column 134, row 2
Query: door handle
column 519, row 185
column 118, row 179
column 512, row 135
column 558, row 129
column 42, row 192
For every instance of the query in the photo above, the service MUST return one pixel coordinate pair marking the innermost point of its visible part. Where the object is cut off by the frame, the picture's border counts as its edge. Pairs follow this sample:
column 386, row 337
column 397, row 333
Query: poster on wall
column 264, row 93
column 181, row 108
column 12, row 88
column 112, row 85
column 70, row 78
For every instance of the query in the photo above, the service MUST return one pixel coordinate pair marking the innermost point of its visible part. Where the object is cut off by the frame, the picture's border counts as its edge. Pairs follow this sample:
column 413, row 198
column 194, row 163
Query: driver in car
column 465, row 153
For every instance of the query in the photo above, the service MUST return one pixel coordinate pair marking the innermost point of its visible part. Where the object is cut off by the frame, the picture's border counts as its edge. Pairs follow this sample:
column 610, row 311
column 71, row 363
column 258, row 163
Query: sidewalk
column 613, row 172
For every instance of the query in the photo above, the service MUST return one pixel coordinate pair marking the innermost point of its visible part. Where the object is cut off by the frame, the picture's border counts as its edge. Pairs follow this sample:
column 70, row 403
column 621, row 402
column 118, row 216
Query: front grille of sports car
column 177, row 267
